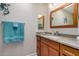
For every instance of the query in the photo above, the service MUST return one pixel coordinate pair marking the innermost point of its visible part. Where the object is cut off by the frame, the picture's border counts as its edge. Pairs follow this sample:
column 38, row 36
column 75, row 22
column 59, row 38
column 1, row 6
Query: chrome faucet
column 56, row 33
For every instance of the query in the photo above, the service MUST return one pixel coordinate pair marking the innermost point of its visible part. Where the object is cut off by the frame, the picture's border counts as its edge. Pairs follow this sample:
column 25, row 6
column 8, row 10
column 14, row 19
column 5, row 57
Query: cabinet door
column 38, row 42
column 68, row 51
column 38, row 46
column 38, row 52
column 44, row 49
column 52, row 52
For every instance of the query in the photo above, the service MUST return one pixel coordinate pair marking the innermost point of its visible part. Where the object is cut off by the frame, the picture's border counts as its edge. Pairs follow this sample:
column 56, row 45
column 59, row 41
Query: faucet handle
column 56, row 33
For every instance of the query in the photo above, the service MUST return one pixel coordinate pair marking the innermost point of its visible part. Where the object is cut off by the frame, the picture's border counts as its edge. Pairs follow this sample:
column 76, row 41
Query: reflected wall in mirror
column 64, row 16
column 41, row 22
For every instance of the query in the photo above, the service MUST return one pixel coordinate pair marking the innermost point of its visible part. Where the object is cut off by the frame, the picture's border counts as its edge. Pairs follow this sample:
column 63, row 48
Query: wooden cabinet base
column 44, row 49
column 47, row 47
column 52, row 52
column 68, row 51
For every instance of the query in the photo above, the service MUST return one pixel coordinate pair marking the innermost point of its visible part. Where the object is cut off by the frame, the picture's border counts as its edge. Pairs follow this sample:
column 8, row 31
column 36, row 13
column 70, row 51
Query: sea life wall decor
column 13, row 32
column 4, row 8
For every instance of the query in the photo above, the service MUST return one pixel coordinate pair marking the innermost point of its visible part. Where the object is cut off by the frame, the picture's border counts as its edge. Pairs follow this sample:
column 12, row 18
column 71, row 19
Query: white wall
column 44, row 12
column 26, row 13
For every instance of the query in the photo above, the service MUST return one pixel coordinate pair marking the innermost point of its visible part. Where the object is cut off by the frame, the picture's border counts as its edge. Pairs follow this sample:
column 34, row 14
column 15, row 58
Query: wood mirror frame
column 42, row 17
column 75, row 15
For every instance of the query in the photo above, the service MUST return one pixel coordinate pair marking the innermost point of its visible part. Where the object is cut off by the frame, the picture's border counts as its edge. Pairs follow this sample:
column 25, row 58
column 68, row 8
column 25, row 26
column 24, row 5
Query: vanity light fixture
column 39, row 15
column 50, row 5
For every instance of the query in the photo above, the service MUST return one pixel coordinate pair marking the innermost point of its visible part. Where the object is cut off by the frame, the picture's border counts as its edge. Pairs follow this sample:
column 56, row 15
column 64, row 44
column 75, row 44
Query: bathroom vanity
column 64, row 16
column 57, row 46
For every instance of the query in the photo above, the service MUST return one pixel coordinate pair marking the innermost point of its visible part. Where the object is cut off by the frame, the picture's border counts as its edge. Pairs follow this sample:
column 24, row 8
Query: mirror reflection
column 63, row 16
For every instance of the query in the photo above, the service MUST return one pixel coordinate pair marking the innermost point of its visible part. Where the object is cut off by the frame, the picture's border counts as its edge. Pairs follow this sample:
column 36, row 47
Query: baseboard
column 32, row 54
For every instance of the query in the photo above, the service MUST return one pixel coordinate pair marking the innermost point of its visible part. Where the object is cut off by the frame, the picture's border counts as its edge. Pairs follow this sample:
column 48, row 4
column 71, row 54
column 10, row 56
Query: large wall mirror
column 65, row 16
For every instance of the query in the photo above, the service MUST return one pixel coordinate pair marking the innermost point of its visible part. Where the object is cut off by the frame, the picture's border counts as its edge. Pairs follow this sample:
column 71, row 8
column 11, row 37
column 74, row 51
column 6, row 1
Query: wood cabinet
column 53, row 48
column 38, row 46
column 44, row 49
column 47, row 47
column 52, row 52
column 68, row 51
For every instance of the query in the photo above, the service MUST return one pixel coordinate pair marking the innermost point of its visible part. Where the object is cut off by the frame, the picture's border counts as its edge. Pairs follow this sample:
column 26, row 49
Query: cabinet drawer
column 52, row 52
column 53, row 44
column 44, row 40
column 38, row 37
column 50, row 43
column 68, row 51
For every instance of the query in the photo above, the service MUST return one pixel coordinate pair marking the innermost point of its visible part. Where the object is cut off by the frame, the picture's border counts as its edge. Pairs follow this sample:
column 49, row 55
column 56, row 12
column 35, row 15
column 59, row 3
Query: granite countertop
column 72, row 42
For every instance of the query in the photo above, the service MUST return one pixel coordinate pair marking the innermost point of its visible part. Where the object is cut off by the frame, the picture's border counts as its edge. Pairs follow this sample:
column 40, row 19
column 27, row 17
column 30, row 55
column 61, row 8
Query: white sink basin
column 56, row 37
